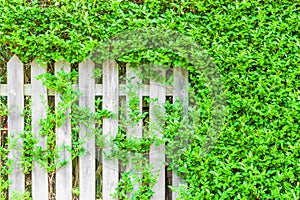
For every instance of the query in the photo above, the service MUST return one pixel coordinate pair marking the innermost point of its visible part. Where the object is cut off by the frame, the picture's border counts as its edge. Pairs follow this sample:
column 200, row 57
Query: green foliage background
column 255, row 45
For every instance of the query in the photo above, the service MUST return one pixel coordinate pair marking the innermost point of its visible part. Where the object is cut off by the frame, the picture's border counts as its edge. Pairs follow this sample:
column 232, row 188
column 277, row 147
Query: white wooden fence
column 15, row 90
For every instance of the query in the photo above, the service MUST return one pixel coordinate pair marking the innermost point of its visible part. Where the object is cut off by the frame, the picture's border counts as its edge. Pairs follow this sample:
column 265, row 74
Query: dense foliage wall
column 255, row 45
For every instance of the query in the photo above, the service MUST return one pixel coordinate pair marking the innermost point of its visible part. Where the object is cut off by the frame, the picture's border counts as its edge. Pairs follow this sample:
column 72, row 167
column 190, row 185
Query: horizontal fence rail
column 111, row 91
column 98, row 90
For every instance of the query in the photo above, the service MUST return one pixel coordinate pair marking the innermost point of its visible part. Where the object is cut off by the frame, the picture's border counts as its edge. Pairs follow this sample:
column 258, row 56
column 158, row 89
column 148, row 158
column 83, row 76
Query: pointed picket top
column 15, row 61
column 36, row 63
column 87, row 62
column 108, row 63
column 61, row 64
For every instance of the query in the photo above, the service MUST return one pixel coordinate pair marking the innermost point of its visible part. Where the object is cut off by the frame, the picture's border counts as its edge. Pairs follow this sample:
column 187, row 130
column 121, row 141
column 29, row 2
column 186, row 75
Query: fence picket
column 15, row 83
column 156, row 155
column 39, row 102
column 87, row 162
column 110, row 125
column 180, row 93
column 63, row 138
column 136, row 130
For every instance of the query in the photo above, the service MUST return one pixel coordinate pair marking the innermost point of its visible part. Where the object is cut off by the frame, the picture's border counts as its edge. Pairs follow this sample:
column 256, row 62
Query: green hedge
column 255, row 45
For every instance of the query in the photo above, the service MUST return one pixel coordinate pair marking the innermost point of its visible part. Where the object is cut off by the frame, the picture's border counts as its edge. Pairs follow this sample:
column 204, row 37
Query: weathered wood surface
column 15, row 83
column 39, row 105
column 156, row 155
column 180, row 93
column 110, row 125
column 87, row 162
column 98, row 90
column 63, row 139
column 134, row 130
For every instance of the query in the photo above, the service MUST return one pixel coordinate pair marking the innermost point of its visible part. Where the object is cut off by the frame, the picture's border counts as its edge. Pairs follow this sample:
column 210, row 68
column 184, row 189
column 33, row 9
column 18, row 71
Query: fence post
column 39, row 103
column 15, row 87
column 87, row 169
column 63, row 138
column 110, row 125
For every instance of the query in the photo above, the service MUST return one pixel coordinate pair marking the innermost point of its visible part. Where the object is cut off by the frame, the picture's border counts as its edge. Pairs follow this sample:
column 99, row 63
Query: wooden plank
column 110, row 125
column 180, row 93
column 136, row 130
column 15, row 83
column 87, row 162
column 64, row 174
column 39, row 103
column 156, row 155
column 98, row 90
